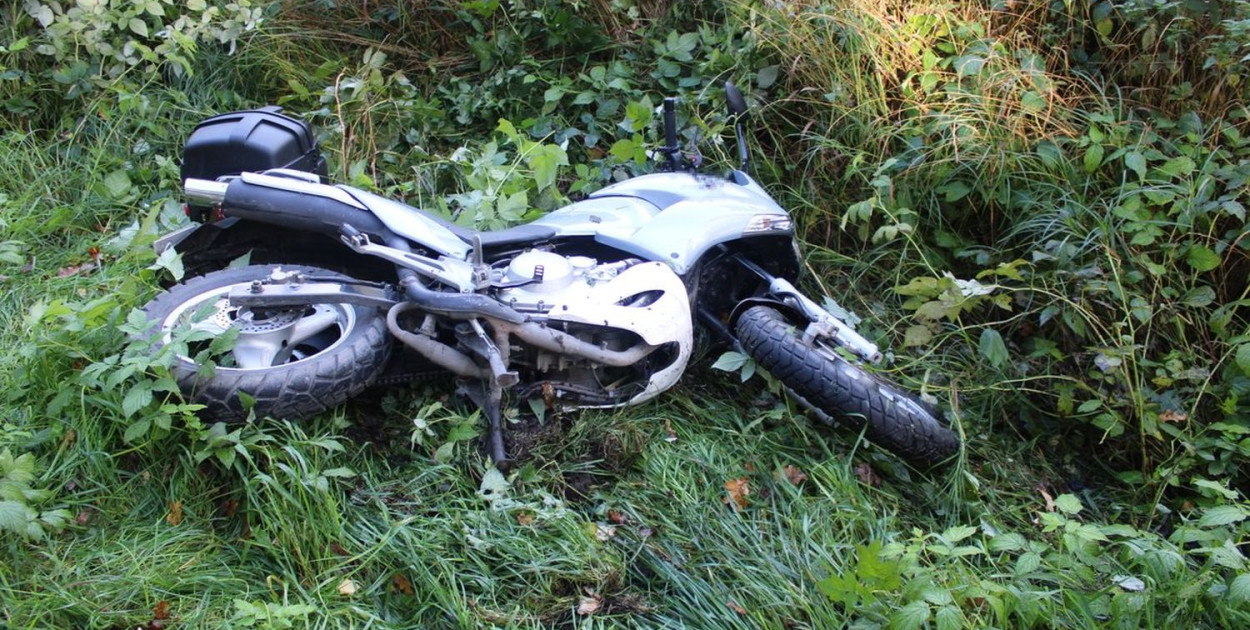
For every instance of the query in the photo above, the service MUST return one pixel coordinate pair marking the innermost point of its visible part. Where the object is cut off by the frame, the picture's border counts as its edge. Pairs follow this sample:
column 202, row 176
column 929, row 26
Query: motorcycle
column 593, row 305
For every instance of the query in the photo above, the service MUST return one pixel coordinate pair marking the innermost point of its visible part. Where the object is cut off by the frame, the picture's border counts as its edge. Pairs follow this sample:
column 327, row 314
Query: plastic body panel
column 672, row 218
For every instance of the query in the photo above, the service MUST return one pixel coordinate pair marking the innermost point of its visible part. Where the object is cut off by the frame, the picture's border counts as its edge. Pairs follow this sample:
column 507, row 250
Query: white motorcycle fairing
column 662, row 317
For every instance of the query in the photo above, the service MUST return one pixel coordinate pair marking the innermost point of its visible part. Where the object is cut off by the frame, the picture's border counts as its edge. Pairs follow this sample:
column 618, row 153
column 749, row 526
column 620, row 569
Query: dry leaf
column 549, row 395
column 604, row 532
column 73, row 270
column 402, row 584
column 736, row 607
column 671, row 435
column 1173, row 416
column 1050, row 501
column 348, row 587
column 161, row 611
column 229, row 508
column 338, row 549
column 646, row 532
column 867, row 475
column 738, row 490
column 84, row 516
column 794, row 474
column 589, row 604
column 617, row 517
column 525, row 519
column 69, row 438
column 175, row 513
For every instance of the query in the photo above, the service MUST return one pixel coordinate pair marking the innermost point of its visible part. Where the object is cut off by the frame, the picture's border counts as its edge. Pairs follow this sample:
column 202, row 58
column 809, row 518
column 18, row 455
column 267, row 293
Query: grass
column 629, row 518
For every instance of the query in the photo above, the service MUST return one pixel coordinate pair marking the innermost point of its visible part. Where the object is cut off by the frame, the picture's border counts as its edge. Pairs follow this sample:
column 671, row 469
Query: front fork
column 821, row 324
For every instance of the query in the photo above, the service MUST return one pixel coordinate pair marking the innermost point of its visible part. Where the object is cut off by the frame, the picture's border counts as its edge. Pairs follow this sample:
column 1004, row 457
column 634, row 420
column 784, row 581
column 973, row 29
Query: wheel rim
column 267, row 337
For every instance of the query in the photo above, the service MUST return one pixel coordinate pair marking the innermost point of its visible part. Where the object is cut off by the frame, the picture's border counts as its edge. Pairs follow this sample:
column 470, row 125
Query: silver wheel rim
column 268, row 337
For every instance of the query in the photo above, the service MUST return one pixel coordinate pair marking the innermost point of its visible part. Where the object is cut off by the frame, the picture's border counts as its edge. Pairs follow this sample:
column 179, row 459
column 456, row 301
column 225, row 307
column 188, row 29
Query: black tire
column 305, row 376
column 834, row 388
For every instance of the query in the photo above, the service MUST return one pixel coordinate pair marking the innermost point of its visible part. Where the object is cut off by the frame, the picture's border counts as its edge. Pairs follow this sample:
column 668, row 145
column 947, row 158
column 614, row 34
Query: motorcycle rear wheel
column 294, row 362
column 838, row 390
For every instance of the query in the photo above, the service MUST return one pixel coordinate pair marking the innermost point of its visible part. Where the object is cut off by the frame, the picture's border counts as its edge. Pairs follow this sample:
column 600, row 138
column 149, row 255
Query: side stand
column 488, row 396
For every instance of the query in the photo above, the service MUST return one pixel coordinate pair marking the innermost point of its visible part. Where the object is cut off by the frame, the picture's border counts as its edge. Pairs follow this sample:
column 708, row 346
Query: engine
column 615, row 306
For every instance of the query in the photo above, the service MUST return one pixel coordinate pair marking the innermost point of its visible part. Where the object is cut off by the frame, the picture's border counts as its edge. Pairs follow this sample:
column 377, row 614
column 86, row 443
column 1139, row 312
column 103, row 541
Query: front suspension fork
column 821, row 322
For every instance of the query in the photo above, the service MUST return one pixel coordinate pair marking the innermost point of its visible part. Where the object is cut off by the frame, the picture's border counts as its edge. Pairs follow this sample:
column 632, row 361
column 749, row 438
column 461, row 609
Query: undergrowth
column 1040, row 207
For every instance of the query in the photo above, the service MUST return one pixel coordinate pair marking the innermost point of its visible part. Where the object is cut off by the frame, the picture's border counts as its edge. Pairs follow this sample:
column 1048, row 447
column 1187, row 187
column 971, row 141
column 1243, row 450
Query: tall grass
column 964, row 133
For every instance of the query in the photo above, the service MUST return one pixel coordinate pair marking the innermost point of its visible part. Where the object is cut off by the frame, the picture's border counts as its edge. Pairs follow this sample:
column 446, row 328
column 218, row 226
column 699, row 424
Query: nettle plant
column 123, row 34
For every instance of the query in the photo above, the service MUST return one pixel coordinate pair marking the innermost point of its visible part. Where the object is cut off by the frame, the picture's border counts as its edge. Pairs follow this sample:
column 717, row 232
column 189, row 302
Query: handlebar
column 670, row 124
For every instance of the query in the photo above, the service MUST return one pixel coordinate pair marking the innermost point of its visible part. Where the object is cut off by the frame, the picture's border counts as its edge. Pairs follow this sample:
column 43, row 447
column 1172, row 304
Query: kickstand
column 488, row 396
column 488, row 392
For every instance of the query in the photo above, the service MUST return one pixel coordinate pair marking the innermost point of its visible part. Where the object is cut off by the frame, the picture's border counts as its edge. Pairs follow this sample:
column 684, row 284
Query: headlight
column 768, row 223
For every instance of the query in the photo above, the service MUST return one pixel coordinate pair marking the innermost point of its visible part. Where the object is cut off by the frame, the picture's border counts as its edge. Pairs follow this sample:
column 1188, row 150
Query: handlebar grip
column 670, row 123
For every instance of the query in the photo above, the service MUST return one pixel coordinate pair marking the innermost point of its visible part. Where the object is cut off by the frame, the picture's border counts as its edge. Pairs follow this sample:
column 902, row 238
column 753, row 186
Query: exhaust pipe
column 302, row 205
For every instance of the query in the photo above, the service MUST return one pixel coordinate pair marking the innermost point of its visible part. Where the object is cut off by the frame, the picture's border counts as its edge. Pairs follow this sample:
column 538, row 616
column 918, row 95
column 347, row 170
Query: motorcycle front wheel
column 293, row 362
column 838, row 390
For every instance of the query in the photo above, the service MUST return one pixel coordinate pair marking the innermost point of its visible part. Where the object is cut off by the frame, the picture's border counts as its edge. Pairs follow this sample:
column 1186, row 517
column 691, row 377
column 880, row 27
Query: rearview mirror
column 737, row 104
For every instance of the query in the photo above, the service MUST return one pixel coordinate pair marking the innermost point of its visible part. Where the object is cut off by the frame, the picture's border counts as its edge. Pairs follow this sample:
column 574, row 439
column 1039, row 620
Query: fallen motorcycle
column 592, row 305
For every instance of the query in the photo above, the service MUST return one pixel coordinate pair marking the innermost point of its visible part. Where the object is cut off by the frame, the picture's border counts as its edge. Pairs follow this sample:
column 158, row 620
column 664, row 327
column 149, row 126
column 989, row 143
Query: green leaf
column 196, row 5
column 917, row 336
column 1089, row 405
column 171, row 261
column 731, row 361
column 1221, row 515
column 117, row 183
column 226, row 456
column 993, row 348
column 513, row 207
column 1136, row 162
column 840, row 588
column 910, row 617
column 1068, row 504
column 1235, row 209
column 968, row 65
column 1093, row 157
column 1239, row 589
column 1178, row 167
column 137, row 398
column 929, row 81
column 958, row 533
column 1028, row 563
column 445, row 452
column 136, row 430
column 954, row 191
column 1202, row 258
column 139, row 27
column 508, row 129
column 14, row 517
column 1032, row 101
column 949, row 618
column 767, row 76
column 1243, row 358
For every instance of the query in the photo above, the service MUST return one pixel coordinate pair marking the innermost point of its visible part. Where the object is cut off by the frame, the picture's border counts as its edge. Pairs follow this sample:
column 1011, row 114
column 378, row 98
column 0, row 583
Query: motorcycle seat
column 517, row 235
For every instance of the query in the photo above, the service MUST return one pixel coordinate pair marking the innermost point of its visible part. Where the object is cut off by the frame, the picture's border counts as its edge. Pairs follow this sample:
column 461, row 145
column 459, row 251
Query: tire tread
column 836, row 389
